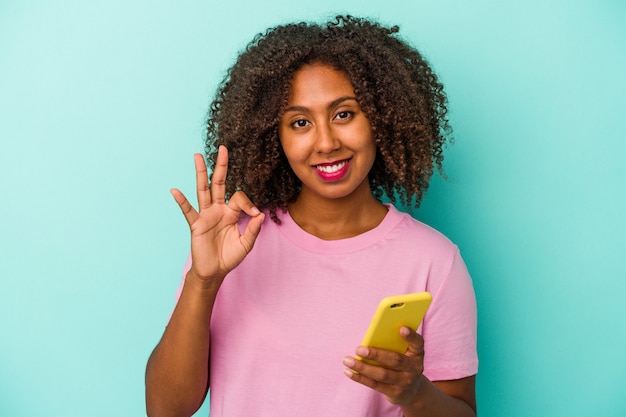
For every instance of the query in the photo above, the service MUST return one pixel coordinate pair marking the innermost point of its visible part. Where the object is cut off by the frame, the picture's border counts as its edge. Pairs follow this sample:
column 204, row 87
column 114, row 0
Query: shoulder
column 418, row 234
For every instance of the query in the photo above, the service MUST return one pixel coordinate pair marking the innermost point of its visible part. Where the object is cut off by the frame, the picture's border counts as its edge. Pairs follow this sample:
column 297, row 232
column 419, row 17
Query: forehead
column 318, row 83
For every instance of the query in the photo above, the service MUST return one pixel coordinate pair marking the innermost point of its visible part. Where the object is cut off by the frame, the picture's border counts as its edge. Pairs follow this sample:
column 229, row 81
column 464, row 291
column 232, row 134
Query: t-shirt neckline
column 290, row 229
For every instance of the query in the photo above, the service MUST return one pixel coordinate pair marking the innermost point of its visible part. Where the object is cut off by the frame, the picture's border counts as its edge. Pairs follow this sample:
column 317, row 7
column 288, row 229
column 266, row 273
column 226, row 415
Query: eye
column 300, row 123
column 342, row 115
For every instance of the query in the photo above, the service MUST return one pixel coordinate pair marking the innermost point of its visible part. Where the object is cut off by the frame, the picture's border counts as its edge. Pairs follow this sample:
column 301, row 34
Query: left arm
column 402, row 382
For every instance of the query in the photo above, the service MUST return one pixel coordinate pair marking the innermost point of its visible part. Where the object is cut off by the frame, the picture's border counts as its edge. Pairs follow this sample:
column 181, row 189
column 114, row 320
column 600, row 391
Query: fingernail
column 254, row 211
column 405, row 331
column 348, row 373
column 362, row 351
column 348, row 361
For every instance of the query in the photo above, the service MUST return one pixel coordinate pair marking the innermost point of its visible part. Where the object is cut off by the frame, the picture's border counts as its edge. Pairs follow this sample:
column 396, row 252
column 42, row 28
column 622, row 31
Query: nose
column 326, row 140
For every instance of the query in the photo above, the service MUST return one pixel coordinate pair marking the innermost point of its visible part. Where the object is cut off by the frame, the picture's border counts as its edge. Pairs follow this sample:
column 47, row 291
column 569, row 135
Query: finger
column 365, row 380
column 366, row 371
column 384, row 358
column 202, row 182
column 188, row 211
column 240, row 202
column 252, row 231
column 380, row 383
column 398, row 387
column 415, row 341
column 218, row 179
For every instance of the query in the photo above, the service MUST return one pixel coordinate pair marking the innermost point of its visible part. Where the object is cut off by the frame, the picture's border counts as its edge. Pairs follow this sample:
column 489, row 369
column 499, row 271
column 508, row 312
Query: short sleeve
column 449, row 328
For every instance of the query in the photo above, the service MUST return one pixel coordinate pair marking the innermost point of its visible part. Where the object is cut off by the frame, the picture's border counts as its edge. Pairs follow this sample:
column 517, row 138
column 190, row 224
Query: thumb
column 415, row 341
column 252, row 231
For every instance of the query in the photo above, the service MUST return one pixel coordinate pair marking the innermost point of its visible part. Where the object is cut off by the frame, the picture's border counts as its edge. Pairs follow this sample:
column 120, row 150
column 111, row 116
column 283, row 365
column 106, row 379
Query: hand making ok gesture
column 217, row 246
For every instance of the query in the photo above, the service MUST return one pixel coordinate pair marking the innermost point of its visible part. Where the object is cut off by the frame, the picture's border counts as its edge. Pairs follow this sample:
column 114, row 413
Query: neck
column 341, row 218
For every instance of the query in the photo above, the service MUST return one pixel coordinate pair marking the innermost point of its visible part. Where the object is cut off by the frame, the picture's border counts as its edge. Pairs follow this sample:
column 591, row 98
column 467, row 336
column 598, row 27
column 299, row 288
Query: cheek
column 365, row 133
column 292, row 150
column 289, row 148
column 370, row 151
column 368, row 145
column 285, row 141
column 295, row 146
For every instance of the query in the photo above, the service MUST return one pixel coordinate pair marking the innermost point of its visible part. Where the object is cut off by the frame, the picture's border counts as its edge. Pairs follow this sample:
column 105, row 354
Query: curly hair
column 394, row 85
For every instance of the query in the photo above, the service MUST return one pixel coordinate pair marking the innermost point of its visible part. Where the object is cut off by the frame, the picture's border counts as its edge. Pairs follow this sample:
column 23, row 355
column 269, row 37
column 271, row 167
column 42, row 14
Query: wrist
column 419, row 404
column 201, row 284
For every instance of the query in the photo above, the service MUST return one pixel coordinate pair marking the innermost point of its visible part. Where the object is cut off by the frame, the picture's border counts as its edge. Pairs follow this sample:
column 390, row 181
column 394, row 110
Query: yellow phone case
column 392, row 313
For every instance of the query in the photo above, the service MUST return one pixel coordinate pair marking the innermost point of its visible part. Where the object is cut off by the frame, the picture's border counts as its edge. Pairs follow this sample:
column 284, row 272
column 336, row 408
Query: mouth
column 333, row 171
column 333, row 167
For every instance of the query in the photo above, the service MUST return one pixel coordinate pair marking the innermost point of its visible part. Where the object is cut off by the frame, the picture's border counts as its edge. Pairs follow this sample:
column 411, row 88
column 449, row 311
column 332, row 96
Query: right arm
column 177, row 373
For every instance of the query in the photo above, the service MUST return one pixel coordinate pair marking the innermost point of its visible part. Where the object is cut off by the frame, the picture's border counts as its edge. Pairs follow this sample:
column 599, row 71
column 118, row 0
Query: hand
column 217, row 246
column 400, row 376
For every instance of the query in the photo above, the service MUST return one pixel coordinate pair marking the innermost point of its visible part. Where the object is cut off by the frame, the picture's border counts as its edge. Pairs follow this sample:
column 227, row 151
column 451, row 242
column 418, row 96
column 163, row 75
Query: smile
column 331, row 169
column 334, row 171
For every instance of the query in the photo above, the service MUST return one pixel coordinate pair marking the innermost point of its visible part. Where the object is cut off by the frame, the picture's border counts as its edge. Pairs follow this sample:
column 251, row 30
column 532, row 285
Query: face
column 326, row 136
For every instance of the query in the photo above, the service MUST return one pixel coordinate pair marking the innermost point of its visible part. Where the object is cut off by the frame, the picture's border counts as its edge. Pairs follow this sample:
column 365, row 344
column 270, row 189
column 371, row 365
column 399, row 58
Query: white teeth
column 331, row 168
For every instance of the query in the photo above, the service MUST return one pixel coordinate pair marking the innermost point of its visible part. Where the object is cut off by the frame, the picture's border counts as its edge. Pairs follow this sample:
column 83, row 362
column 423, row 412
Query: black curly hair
column 394, row 85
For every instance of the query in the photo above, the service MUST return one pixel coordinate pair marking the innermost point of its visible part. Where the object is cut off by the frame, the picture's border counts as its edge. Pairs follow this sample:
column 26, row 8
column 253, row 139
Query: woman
column 292, row 248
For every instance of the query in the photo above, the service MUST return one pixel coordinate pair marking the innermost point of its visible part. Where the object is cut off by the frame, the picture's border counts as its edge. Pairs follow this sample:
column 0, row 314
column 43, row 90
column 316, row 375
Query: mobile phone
column 392, row 313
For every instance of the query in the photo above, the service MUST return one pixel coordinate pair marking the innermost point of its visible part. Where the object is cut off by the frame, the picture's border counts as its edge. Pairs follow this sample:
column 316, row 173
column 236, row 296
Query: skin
column 177, row 374
column 323, row 122
column 323, row 126
column 401, row 380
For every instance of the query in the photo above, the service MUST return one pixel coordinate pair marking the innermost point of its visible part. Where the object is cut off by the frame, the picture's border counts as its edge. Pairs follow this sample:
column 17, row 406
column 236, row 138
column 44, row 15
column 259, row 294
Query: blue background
column 102, row 105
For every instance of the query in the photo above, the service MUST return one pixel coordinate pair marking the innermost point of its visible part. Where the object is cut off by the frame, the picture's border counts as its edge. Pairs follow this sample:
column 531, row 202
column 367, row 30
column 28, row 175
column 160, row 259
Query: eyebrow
column 333, row 103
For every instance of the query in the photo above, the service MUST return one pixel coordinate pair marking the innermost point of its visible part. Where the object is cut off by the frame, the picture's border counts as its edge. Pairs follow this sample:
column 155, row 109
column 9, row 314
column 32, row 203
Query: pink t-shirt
column 288, row 314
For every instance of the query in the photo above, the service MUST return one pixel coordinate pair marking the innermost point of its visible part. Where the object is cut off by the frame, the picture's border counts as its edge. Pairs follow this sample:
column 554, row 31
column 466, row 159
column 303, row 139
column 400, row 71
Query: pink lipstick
column 333, row 171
